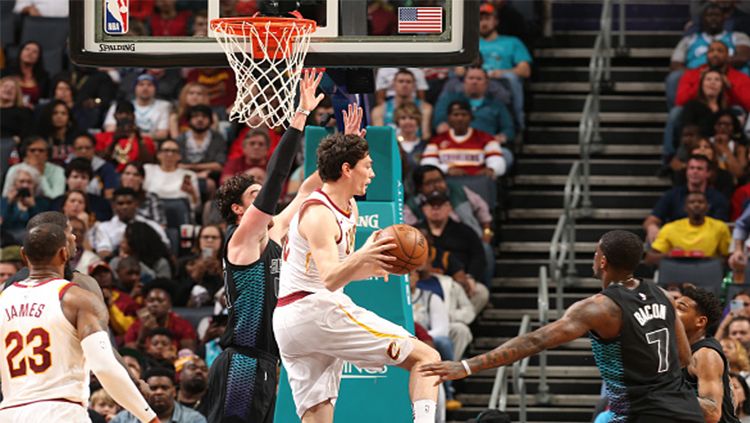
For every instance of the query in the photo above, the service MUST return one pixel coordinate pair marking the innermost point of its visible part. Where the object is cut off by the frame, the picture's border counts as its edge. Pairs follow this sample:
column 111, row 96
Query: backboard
column 427, row 33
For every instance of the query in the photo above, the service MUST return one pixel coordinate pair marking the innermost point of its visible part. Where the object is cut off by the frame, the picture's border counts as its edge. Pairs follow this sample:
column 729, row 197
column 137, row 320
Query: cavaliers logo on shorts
column 393, row 350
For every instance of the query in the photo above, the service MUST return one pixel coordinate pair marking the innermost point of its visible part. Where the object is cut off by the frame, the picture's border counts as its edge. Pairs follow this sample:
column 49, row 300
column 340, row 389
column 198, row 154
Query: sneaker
column 453, row 405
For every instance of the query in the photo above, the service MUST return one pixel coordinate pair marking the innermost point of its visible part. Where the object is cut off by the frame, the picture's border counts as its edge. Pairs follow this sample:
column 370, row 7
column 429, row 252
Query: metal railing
column 499, row 395
column 562, row 253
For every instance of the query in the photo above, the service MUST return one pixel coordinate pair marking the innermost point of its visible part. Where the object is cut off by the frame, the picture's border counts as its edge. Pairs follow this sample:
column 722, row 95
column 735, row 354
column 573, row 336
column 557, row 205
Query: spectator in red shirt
column 254, row 154
column 463, row 150
column 158, row 313
column 166, row 21
column 738, row 93
column 125, row 144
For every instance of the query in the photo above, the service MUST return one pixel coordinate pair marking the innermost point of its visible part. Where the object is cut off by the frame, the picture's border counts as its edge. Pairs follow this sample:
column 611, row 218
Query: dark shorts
column 241, row 388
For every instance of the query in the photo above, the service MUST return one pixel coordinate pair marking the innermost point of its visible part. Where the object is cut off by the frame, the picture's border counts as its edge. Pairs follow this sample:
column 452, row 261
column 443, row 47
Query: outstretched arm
column 708, row 367
column 597, row 313
column 256, row 218
column 90, row 320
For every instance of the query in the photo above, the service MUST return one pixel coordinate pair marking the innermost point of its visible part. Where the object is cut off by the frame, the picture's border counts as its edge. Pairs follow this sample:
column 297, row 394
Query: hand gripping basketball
column 373, row 254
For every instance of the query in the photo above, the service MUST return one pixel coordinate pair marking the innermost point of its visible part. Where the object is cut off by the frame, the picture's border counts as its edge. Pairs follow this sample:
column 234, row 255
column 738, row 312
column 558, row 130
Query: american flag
column 420, row 19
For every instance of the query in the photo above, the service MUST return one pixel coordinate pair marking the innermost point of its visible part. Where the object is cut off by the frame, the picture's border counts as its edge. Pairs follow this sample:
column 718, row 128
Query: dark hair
column 418, row 175
column 46, row 129
column 51, row 217
column 160, row 283
column 86, row 135
column 701, row 193
column 129, row 262
column 200, row 109
column 122, row 191
column 700, row 158
column 65, row 78
column 461, row 105
column 257, row 133
column 737, row 133
column 145, row 244
column 196, row 246
column 160, row 331
column 404, row 71
column 745, row 389
column 159, row 371
column 738, row 319
column 80, row 165
column 230, row 192
column 706, row 304
column 76, row 191
column 31, row 139
column 622, row 249
column 124, row 106
column 43, row 242
column 337, row 149
column 722, row 100
column 39, row 72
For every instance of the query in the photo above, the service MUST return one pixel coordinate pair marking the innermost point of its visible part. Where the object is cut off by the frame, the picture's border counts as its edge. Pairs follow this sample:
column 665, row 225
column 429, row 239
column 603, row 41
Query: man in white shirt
column 151, row 114
column 105, row 237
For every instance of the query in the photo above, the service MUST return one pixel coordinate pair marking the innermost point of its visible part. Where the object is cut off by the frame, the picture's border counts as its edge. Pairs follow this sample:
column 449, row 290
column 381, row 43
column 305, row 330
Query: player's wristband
column 466, row 367
column 303, row 111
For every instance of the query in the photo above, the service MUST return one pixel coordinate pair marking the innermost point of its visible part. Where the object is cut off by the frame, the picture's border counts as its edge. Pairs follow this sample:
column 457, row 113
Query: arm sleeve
column 680, row 52
column 480, row 207
column 279, row 167
column 520, row 52
column 505, row 121
column 741, row 225
column 461, row 310
column 477, row 263
column 494, row 158
column 114, row 378
column 439, row 322
column 724, row 240
column 662, row 209
column 431, row 157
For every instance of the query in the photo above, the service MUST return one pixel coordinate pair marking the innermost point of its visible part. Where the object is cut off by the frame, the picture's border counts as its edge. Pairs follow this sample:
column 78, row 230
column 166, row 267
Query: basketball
column 411, row 248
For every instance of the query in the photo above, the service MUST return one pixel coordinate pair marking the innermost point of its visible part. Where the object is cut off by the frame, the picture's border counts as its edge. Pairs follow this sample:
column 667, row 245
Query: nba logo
column 116, row 15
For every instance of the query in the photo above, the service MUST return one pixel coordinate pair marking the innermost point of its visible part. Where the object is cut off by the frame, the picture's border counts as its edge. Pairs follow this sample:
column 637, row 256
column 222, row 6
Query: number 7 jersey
column 641, row 366
column 41, row 354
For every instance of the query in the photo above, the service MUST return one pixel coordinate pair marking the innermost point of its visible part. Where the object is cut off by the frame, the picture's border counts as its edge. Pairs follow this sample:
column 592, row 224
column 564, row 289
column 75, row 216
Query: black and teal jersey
column 727, row 404
column 252, row 292
column 641, row 367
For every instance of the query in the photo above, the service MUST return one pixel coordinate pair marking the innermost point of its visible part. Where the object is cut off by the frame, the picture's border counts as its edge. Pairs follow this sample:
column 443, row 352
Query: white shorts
column 46, row 412
column 317, row 333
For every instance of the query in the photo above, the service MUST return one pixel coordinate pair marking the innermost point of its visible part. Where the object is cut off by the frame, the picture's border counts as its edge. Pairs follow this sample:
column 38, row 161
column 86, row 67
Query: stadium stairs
column 624, row 188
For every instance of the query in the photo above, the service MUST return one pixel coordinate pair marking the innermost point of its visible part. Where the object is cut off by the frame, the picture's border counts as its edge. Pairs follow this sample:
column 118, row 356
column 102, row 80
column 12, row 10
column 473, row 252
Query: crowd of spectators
column 134, row 156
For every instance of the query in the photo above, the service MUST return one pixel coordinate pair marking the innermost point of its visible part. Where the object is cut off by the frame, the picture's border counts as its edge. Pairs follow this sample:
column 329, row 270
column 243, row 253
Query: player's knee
column 427, row 354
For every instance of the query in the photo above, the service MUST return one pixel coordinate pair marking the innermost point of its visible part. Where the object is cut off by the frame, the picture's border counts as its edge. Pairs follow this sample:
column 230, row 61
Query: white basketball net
column 266, row 85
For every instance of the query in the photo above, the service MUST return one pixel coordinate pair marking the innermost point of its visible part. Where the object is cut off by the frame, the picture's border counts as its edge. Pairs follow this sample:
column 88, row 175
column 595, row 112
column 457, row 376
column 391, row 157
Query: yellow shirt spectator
column 712, row 237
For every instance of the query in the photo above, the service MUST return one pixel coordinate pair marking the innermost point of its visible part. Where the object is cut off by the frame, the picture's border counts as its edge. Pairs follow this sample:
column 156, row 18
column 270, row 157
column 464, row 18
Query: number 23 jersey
column 641, row 366
column 41, row 354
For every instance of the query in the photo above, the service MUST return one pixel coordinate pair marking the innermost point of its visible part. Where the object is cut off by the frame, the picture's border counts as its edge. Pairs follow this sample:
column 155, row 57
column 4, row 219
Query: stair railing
column 519, row 373
column 600, row 70
column 562, row 253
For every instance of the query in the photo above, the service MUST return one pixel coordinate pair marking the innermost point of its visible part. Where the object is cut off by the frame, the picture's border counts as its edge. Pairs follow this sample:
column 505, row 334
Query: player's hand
column 307, row 87
column 353, row 121
column 446, row 370
column 372, row 253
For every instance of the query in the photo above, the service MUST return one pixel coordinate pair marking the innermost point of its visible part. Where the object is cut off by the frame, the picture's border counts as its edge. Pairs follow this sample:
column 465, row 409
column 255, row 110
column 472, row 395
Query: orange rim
column 239, row 26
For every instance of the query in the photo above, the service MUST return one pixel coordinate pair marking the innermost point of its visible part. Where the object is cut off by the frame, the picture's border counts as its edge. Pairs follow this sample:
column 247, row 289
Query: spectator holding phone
column 169, row 181
column 22, row 200
column 739, row 307
column 199, row 275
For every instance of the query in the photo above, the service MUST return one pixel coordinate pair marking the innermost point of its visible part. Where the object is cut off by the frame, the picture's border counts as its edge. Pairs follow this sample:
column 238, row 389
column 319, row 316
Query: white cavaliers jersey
column 40, row 351
column 298, row 271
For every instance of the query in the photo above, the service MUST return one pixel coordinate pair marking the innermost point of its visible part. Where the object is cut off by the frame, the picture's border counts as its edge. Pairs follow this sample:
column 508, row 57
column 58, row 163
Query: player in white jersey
column 316, row 325
column 54, row 333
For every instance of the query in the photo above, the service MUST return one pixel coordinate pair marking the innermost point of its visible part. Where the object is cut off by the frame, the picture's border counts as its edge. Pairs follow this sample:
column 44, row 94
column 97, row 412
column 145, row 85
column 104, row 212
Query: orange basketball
column 411, row 248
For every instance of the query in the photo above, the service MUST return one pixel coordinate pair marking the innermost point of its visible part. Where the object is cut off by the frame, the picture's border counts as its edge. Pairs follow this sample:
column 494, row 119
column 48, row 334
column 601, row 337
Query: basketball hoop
column 267, row 55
